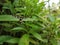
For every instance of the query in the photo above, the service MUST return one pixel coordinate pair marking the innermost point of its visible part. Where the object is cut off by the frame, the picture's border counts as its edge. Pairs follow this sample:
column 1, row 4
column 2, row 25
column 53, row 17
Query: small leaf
column 24, row 40
column 18, row 29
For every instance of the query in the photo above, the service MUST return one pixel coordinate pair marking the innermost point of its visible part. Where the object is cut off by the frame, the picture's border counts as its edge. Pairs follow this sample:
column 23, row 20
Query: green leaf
column 6, row 24
column 53, row 41
column 38, row 36
column 18, row 29
column 58, row 33
column 24, row 40
column 51, row 18
column 16, row 3
column 4, row 38
column 58, row 18
column 13, row 40
column 8, row 18
column 58, row 42
column 33, row 26
column 30, row 19
column 33, row 42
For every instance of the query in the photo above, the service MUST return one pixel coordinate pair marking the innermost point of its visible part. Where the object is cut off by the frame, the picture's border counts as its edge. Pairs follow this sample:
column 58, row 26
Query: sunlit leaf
column 30, row 19
column 24, row 40
column 18, row 29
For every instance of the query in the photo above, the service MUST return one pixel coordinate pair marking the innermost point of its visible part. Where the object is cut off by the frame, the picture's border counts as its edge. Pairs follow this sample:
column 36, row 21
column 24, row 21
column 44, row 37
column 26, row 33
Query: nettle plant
column 25, row 22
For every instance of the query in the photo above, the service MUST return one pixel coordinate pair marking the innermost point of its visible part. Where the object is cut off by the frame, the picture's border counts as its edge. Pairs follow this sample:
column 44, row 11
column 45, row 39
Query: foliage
column 25, row 22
